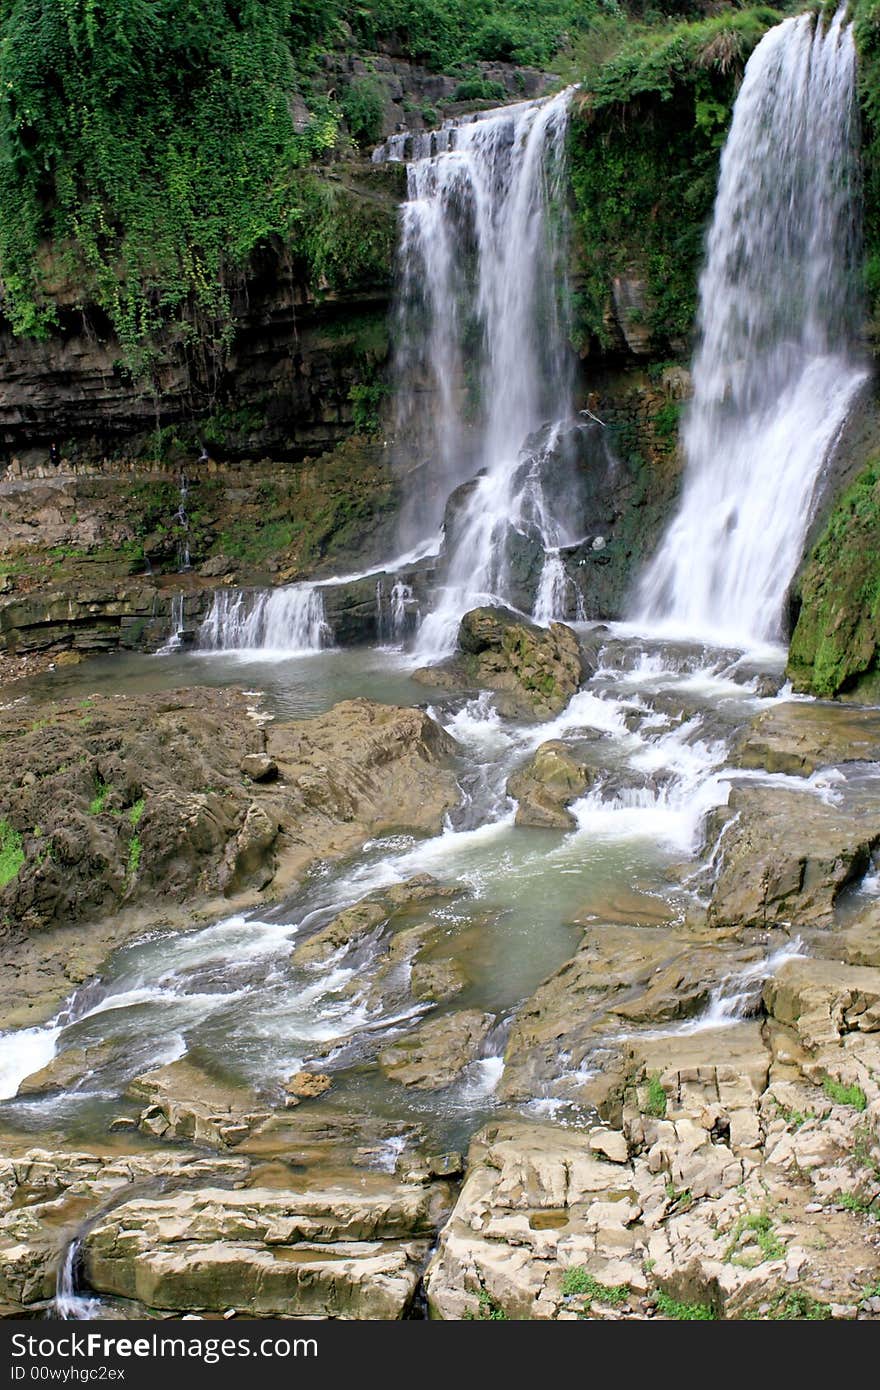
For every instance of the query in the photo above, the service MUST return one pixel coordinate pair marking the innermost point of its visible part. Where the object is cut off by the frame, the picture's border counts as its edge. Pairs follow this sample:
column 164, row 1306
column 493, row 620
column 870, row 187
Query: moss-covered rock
column 834, row 646
column 534, row 671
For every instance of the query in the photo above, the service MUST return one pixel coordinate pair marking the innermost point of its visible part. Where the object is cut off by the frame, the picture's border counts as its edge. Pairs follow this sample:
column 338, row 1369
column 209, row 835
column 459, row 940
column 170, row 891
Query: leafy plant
column 363, row 106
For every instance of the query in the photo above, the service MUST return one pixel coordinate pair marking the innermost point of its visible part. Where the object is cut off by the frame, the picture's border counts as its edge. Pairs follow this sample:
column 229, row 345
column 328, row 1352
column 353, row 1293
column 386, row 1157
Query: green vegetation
column 866, row 27
column 449, row 34
column 850, row 1202
column 11, row 853
column 362, row 107
column 134, row 856
column 479, row 89
column 645, row 142
column 683, row 1312
column 99, row 800
column 757, row 1227
column 681, row 1197
column 135, row 812
column 367, row 398
column 799, row 1307
column 836, row 639
column 488, row 1310
column 845, row 1095
column 152, row 144
column 576, row 1280
column 655, row 1098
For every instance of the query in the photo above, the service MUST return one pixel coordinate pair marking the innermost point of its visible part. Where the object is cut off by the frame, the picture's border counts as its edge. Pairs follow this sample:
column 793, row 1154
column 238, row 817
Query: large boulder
column 533, row 670
column 546, row 784
column 785, row 856
column 436, row 1053
column 335, row 1251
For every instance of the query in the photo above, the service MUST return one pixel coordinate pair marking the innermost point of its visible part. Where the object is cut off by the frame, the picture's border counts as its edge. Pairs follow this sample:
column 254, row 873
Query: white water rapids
column 230, row 994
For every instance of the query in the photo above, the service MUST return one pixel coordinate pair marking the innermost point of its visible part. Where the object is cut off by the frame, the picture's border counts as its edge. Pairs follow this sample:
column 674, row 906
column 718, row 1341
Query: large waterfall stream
column 775, row 372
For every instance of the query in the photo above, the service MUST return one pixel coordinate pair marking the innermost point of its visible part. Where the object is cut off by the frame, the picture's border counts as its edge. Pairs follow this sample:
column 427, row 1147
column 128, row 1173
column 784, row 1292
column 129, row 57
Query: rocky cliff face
column 286, row 387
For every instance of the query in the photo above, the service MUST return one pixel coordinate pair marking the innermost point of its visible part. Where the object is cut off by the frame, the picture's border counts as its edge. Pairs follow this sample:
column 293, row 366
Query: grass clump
column 134, row 856
column 800, row 1307
column 488, row 1310
column 11, row 853
column 99, row 800
column 759, row 1226
column 576, row 1280
column 683, row 1312
column 136, row 812
column 655, row 1098
column 845, row 1095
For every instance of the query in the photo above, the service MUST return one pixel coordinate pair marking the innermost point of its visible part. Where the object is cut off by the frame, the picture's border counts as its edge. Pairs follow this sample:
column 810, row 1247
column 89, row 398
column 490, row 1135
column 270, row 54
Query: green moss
column 836, row 638
column 11, row 853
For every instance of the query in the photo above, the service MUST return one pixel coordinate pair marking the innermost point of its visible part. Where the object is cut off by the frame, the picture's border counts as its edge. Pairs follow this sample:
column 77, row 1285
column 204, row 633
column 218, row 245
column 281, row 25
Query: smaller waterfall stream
column 774, row 374
column 480, row 326
column 71, row 1305
column 289, row 620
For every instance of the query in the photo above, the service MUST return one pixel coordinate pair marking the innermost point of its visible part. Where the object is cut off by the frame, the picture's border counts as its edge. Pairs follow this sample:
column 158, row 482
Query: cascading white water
column 774, row 373
column 70, row 1305
column 289, row 620
column 480, row 333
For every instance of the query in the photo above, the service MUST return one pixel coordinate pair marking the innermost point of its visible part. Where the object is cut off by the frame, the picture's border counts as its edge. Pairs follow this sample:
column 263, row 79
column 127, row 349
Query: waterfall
column 289, row 620
column 178, row 626
column 774, row 372
column 69, row 1304
column 396, row 612
column 481, row 359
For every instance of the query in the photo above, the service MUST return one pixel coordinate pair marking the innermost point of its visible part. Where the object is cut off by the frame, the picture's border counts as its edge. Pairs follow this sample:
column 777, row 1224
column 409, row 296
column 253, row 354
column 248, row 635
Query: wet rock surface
column 785, row 857
column 799, row 737
column 435, row 1053
column 546, row 784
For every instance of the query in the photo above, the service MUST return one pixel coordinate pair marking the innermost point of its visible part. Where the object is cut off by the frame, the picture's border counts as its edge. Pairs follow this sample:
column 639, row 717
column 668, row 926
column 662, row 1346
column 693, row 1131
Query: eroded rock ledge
column 162, row 804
